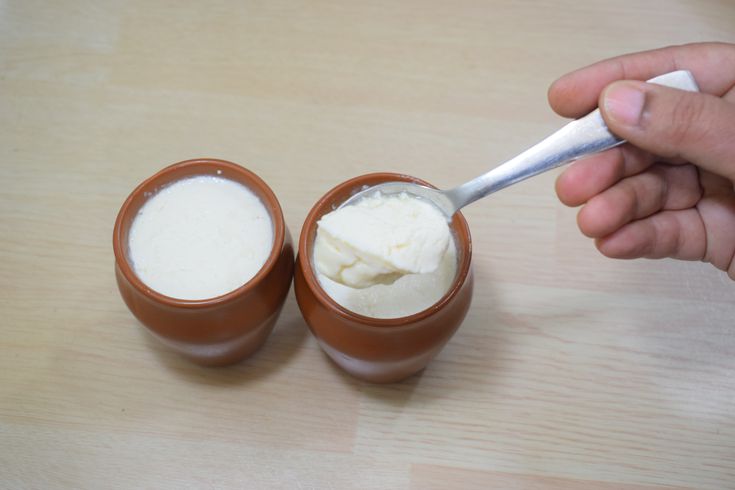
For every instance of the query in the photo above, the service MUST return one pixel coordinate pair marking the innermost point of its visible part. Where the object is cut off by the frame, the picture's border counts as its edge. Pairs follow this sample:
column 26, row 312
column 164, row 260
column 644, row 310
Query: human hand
column 669, row 191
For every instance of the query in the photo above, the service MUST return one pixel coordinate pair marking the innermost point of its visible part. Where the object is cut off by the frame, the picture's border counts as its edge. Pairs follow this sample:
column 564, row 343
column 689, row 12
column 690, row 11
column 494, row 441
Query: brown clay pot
column 220, row 330
column 372, row 349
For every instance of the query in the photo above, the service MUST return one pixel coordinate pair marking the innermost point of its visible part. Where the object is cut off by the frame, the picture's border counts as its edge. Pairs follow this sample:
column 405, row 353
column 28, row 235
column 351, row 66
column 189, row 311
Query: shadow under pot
column 222, row 329
column 380, row 350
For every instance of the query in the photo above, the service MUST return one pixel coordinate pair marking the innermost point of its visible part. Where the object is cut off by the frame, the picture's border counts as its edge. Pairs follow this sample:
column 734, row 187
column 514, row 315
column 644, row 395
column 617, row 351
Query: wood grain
column 571, row 370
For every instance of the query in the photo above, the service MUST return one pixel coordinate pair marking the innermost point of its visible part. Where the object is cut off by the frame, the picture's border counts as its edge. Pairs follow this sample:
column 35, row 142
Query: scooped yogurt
column 380, row 239
column 386, row 256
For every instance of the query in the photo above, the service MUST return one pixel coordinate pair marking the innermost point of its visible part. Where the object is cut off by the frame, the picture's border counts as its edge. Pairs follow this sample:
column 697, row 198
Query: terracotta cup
column 372, row 349
column 220, row 330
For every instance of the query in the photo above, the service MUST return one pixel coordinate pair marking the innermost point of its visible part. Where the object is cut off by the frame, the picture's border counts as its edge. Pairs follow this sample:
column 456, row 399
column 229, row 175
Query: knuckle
column 681, row 186
column 631, row 199
column 686, row 118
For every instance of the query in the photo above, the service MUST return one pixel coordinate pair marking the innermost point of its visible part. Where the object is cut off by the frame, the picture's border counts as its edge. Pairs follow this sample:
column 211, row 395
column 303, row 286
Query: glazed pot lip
column 322, row 206
column 205, row 166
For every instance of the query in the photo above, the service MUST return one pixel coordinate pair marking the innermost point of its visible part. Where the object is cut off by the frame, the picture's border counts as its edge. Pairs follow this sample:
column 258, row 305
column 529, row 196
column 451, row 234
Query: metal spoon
column 577, row 139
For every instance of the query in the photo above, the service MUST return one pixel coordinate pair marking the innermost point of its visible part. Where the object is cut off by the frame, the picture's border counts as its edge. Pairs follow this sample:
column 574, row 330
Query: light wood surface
column 571, row 371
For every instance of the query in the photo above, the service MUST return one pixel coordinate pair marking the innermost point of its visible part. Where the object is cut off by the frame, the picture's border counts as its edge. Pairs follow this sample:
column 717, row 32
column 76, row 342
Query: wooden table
column 571, row 371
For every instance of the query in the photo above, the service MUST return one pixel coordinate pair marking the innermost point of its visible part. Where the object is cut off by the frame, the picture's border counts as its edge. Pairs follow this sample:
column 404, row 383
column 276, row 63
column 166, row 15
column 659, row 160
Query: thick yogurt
column 409, row 294
column 200, row 237
column 380, row 239
column 386, row 256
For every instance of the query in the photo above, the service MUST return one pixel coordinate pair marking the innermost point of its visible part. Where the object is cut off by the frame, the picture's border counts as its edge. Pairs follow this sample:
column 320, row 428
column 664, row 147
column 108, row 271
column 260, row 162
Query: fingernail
column 624, row 103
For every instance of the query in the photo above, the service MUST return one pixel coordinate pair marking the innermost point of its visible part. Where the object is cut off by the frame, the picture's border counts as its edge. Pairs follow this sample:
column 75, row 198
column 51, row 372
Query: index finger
column 712, row 64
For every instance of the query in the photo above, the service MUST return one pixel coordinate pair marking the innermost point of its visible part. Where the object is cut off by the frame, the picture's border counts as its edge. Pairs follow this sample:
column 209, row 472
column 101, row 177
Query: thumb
column 671, row 123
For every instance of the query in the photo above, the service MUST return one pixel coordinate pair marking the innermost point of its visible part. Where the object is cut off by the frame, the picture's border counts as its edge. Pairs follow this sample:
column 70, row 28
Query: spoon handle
column 577, row 139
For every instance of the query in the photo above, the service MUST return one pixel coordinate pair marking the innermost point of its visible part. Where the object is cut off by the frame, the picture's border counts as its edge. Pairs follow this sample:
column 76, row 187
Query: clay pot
column 220, row 330
column 372, row 349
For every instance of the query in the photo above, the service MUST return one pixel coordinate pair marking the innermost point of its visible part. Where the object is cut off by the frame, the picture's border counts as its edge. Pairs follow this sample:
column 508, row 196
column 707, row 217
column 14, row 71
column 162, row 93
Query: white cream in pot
column 200, row 237
column 386, row 256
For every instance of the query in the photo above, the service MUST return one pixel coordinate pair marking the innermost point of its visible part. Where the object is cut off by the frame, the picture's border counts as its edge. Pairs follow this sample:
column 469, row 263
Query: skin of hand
column 669, row 191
